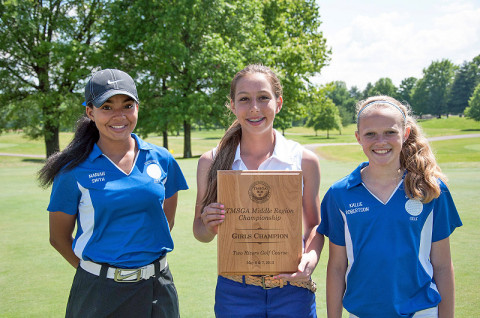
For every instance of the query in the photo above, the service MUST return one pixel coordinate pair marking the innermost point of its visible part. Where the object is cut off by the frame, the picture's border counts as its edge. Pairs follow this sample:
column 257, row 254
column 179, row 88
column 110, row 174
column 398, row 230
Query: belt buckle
column 263, row 282
column 119, row 278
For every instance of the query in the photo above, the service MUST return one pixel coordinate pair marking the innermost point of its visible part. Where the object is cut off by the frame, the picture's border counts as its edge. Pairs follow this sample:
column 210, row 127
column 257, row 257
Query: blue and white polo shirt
column 389, row 273
column 120, row 217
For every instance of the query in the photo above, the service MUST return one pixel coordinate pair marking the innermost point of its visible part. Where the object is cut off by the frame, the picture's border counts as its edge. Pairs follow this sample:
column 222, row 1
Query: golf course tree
column 406, row 89
column 322, row 113
column 202, row 64
column 344, row 99
column 466, row 79
column 181, row 53
column 383, row 86
column 45, row 52
column 185, row 53
column 296, row 49
column 139, row 37
column 432, row 90
column 473, row 109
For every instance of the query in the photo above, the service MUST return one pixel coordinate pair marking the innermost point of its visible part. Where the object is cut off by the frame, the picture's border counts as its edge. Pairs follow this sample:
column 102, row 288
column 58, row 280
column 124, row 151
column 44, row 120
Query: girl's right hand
column 213, row 215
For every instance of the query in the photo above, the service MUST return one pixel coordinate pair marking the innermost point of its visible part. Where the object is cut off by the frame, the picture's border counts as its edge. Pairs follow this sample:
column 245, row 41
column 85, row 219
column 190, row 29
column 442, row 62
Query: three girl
column 388, row 222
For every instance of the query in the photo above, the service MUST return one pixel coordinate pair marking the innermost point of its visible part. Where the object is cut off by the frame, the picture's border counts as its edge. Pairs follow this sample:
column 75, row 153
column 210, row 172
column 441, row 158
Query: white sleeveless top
column 287, row 155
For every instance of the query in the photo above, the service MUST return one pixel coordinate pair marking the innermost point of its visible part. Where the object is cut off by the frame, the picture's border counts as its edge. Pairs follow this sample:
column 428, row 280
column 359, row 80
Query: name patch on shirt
column 356, row 207
column 97, row 177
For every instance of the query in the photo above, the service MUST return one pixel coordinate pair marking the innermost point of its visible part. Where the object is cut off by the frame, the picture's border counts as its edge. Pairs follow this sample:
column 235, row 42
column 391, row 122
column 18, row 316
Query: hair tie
column 382, row 102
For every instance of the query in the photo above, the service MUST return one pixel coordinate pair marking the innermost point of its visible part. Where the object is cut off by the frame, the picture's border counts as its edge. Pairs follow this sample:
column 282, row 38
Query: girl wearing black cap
column 121, row 193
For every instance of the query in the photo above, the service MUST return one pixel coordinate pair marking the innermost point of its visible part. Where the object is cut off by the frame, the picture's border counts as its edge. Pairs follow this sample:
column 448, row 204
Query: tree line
column 182, row 55
column 444, row 89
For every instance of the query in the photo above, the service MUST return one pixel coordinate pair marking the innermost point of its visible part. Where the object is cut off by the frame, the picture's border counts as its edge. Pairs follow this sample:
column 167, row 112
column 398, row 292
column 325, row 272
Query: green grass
column 453, row 125
column 35, row 280
column 461, row 151
column 15, row 142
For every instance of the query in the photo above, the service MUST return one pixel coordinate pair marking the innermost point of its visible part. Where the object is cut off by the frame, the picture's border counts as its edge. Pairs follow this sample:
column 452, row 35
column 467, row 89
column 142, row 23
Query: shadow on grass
column 471, row 129
column 193, row 157
column 34, row 160
column 310, row 137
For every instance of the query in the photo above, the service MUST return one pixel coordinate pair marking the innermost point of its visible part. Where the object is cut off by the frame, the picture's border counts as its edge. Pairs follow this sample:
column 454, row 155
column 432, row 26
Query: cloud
column 401, row 42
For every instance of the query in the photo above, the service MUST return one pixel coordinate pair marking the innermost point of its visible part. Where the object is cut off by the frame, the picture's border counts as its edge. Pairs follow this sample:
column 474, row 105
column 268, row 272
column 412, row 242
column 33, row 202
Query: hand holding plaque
column 262, row 231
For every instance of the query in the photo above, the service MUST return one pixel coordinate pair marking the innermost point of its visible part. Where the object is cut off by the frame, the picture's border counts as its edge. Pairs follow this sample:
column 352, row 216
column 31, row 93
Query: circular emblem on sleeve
column 259, row 192
column 154, row 171
column 414, row 207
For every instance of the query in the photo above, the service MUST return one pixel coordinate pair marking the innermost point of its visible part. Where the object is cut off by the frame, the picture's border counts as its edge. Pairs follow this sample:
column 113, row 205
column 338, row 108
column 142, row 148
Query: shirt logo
column 413, row 207
column 109, row 82
column 154, row 171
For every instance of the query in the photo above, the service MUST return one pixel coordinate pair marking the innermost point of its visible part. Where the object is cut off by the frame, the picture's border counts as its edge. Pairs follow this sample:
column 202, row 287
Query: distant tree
column 406, row 89
column 355, row 93
column 47, row 47
column 466, row 78
column 322, row 113
column 431, row 92
column 367, row 92
column 473, row 109
column 338, row 93
column 341, row 97
column 383, row 86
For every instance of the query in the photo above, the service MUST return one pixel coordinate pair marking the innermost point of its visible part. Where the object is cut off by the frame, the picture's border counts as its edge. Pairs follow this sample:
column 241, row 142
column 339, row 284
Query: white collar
column 280, row 151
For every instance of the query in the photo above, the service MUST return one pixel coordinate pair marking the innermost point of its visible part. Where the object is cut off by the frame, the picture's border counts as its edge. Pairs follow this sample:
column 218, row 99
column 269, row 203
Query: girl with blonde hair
column 389, row 223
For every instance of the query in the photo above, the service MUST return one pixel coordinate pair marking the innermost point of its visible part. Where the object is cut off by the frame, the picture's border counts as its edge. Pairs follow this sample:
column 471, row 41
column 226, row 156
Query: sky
column 371, row 39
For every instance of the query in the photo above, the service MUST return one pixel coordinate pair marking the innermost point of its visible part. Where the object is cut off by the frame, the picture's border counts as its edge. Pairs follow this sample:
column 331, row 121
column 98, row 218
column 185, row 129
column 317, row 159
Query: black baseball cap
column 107, row 83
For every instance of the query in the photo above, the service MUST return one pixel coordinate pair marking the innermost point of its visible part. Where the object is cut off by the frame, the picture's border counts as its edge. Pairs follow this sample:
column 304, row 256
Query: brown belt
column 268, row 282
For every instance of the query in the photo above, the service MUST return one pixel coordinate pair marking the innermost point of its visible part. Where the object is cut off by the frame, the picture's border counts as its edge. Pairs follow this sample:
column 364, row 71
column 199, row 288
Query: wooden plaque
column 262, row 231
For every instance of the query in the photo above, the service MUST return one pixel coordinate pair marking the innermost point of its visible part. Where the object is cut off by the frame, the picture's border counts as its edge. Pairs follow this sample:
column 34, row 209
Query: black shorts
column 97, row 296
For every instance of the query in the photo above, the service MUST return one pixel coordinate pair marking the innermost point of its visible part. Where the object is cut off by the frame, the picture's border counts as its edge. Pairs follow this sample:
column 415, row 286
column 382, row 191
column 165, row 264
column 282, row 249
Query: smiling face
column 255, row 104
column 115, row 119
column 381, row 134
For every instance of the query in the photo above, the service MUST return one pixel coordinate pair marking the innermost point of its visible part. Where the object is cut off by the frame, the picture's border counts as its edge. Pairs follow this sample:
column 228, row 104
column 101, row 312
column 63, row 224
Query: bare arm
column 170, row 209
column 444, row 277
column 207, row 219
column 336, row 269
column 61, row 230
column 311, row 218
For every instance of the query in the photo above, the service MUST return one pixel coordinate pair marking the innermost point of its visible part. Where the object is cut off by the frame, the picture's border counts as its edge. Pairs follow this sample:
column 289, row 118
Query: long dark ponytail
column 86, row 135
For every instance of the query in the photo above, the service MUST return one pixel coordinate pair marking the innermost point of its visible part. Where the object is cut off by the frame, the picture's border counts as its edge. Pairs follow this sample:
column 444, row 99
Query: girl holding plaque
column 251, row 143
column 389, row 223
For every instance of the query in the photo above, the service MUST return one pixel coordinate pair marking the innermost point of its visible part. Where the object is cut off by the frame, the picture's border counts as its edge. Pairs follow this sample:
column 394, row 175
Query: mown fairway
column 35, row 280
